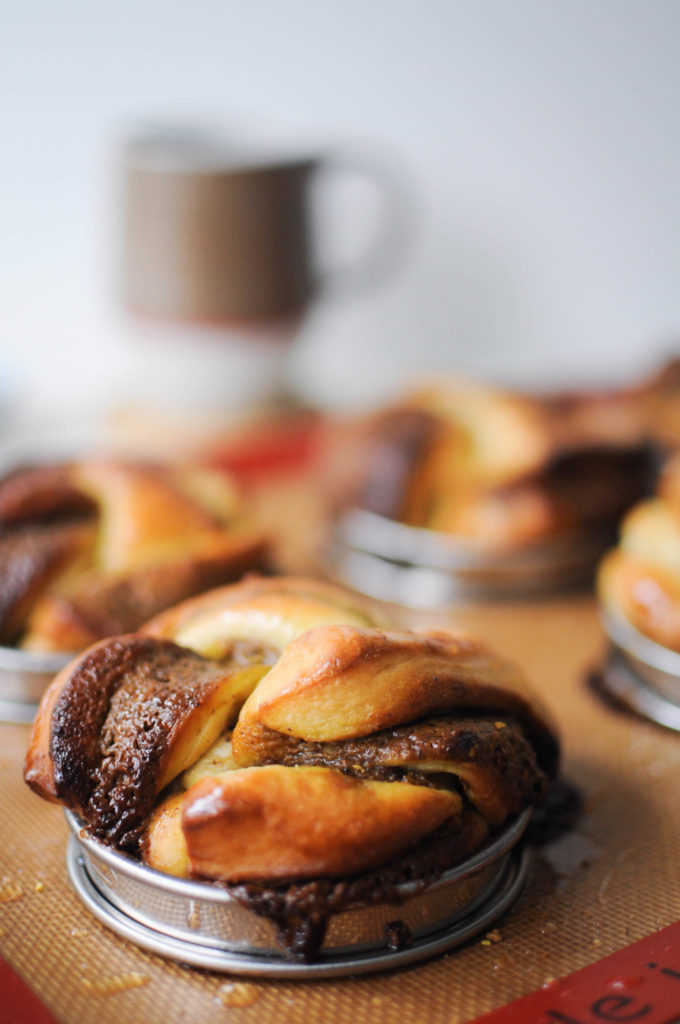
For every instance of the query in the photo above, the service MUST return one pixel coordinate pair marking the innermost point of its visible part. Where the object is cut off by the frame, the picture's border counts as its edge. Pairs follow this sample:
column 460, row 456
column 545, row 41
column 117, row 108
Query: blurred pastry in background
column 660, row 396
column 94, row 548
column 497, row 469
column 639, row 580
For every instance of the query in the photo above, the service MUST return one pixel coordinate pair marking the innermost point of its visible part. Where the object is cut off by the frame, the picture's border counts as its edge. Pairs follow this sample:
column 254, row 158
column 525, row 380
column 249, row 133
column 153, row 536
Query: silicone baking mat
column 612, row 880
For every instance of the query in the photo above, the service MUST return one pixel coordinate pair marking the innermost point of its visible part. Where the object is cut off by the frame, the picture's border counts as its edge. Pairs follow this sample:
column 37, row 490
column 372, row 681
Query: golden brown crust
column 452, row 439
column 489, row 436
column 639, row 581
column 487, row 759
column 277, row 607
column 276, row 822
column 645, row 594
column 270, row 609
column 38, row 765
column 163, row 844
column 357, row 748
column 338, row 682
column 145, row 514
column 583, row 490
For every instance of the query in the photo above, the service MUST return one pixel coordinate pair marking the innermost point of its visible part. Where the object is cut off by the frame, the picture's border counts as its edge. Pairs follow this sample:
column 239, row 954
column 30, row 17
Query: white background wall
column 541, row 138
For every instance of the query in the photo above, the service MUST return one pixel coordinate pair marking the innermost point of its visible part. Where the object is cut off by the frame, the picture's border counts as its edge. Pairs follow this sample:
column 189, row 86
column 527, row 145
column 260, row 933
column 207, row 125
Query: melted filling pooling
column 434, row 752
column 299, row 911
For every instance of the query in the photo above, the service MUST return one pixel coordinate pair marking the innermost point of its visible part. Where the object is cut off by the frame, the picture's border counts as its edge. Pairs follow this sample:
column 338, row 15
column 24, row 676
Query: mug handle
column 394, row 203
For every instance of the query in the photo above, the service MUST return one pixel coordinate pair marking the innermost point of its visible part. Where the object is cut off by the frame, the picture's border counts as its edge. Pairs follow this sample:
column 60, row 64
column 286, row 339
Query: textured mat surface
column 612, row 880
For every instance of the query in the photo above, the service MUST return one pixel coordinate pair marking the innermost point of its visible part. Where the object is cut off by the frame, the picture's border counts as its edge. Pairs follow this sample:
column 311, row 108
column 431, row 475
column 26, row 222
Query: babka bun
column 278, row 738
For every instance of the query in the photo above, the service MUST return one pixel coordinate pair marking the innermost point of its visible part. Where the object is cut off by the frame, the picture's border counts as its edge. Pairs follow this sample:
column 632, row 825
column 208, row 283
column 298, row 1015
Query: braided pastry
column 95, row 548
column 272, row 735
column 498, row 469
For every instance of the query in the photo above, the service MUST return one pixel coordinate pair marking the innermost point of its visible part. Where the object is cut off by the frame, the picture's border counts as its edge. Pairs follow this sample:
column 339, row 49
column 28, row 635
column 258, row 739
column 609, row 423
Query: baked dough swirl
column 93, row 548
column 496, row 469
column 273, row 735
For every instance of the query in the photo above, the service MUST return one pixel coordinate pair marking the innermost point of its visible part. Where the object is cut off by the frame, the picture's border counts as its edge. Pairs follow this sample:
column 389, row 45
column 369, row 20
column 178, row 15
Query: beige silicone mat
column 614, row 879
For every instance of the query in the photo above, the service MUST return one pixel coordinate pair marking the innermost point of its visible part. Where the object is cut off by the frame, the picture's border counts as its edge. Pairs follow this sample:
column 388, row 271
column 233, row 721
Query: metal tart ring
column 422, row 568
column 641, row 673
column 200, row 923
column 507, row 886
column 24, row 676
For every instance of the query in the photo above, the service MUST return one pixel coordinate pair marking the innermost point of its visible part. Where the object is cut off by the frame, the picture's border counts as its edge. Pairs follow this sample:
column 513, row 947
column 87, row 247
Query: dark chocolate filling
column 113, row 726
column 299, row 911
column 502, row 757
column 593, row 486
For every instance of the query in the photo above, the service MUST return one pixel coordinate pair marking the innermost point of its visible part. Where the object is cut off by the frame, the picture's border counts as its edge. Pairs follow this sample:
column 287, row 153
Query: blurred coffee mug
column 218, row 232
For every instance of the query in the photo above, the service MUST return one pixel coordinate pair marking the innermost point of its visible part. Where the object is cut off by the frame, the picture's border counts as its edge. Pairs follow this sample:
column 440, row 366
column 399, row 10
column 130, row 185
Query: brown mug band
column 233, row 244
